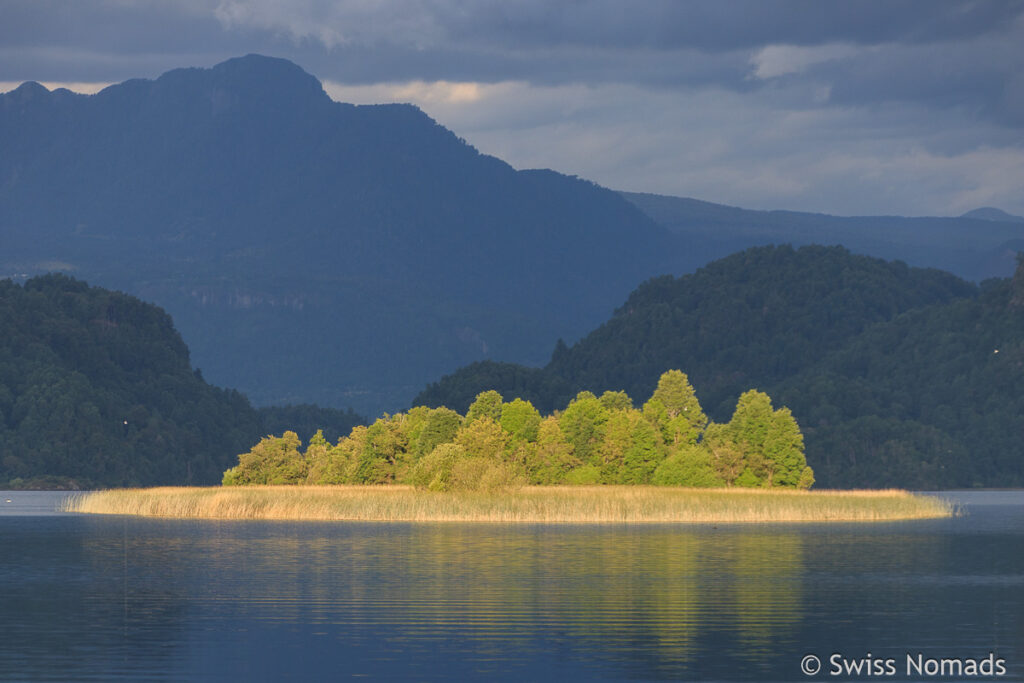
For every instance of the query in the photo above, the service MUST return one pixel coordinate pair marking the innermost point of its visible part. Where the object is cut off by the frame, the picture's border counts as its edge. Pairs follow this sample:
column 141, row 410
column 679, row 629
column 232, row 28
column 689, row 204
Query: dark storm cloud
column 659, row 42
column 722, row 26
column 490, row 38
column 110, row 40
column 981, row 77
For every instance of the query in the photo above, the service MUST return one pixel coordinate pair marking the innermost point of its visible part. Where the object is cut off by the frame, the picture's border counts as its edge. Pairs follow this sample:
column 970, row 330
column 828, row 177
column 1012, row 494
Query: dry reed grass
column 545, row 504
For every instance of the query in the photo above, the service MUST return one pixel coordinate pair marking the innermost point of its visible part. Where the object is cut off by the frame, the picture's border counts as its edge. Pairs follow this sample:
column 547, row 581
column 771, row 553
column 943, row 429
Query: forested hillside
column 898, row 376
column 932, row 398
column 96, row 389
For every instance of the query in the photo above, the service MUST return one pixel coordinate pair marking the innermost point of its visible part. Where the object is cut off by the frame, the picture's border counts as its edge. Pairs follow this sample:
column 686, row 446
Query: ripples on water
column 113, row 597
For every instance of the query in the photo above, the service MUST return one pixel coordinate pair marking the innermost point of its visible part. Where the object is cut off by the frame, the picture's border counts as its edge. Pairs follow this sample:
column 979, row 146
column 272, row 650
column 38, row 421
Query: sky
column 902, row 107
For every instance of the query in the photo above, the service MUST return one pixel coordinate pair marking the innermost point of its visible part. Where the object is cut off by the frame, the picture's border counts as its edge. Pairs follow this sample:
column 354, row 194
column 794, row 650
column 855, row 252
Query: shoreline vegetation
column 529, row 504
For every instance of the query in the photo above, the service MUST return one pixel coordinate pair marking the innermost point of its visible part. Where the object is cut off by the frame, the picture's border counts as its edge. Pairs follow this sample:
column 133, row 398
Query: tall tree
column 770, row 441
column 553, row 457
column 645, row 453
column 520, row 419
column 487, row 404
column 583, row 422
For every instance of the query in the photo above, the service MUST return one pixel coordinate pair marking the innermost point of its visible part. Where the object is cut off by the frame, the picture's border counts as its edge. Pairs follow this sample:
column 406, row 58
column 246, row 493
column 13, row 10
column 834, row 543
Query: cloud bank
column 907, row 107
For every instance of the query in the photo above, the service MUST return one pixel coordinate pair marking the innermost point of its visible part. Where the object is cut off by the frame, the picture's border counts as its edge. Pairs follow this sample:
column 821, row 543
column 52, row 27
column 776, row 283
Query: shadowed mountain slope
column 310, row 250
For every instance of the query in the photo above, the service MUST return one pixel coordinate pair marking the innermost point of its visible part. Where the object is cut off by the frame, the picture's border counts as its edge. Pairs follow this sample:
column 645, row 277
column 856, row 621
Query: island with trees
column 600, row 459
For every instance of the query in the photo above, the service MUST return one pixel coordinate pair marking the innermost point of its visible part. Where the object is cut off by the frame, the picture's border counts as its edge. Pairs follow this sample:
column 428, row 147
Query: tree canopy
column 591, row 441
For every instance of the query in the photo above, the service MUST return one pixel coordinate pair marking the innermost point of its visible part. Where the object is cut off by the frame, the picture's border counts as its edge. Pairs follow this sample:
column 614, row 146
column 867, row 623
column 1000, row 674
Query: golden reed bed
column 546, row 504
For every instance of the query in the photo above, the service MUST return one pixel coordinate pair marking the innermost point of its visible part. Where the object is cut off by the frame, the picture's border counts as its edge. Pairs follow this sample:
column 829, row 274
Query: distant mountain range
column 989, row 213
column 313, row 251
column 977, row 245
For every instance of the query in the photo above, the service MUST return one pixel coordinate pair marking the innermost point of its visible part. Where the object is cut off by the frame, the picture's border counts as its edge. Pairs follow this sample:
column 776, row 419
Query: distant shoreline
column 532, row 504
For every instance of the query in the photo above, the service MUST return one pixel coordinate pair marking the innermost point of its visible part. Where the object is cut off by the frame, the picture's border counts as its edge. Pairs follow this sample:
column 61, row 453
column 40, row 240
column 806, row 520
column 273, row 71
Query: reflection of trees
column 654, row 600
column 653, row 597
column 766, row 591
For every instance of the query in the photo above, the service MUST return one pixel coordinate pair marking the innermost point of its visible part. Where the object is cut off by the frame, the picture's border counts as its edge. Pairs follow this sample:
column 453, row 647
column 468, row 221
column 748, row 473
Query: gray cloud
column 872, row 106
column 655, row 24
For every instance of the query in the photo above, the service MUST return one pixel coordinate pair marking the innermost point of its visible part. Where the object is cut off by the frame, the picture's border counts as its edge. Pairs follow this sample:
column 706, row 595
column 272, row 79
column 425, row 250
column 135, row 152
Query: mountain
column 96, row 389
column 978, row 245
column 898, row 376
column 308, row 250
column 312, row 251
column 989, row 213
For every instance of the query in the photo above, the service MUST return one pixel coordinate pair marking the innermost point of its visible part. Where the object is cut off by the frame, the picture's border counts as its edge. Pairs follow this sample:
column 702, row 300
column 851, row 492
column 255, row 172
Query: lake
column 119, row 598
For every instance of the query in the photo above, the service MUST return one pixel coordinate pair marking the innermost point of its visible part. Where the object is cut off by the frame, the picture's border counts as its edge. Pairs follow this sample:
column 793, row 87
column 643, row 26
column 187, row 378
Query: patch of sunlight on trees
column 669, row 441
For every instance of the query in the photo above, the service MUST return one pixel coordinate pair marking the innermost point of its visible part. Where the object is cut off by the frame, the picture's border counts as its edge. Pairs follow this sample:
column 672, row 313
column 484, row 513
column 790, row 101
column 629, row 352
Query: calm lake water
column 117, row 598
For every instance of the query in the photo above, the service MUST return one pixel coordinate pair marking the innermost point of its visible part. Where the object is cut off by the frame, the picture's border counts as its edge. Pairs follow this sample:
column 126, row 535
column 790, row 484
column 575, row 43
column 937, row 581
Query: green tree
column 484, row 438
column 382, row 452
column 274, row 460
column 434, row 470
column 521, row 420
column 806, row 479
column 686, row 418
column 654, row 411
column 616, row 442
column 616, row 400
column 487, row 404
column 582, row 423
column 784, row 451
column 553, row 457
column 726, row 455
column 317, row 453
column 334, row 466
column 770, row 440
column 645, row 453
column 439, row 426
column 449, row 467
column 691, row 465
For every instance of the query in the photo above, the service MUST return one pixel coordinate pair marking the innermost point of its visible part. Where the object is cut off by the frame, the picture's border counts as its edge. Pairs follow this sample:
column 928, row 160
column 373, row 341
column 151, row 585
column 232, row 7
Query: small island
column 598, row 460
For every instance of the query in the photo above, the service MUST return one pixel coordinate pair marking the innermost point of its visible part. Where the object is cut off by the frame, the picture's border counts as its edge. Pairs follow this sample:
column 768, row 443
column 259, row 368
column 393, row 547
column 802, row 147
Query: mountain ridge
column 974, row 246
column 403, row 251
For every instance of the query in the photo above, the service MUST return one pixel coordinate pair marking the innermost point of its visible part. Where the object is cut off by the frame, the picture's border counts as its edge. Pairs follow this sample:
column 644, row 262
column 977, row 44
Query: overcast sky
column 891, row 107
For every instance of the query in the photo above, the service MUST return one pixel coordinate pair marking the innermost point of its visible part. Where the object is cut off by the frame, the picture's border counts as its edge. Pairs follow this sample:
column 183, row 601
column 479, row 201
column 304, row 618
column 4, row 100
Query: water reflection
column 103, row 598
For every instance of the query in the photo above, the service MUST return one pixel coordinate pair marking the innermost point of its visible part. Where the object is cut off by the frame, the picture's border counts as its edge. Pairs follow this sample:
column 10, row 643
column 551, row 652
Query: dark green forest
column 96, row 389
column 898, row 376
column 592, row 440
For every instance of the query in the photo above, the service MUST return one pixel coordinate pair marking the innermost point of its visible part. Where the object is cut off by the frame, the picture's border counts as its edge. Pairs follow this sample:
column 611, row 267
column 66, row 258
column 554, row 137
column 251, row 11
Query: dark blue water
column 116, row 598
